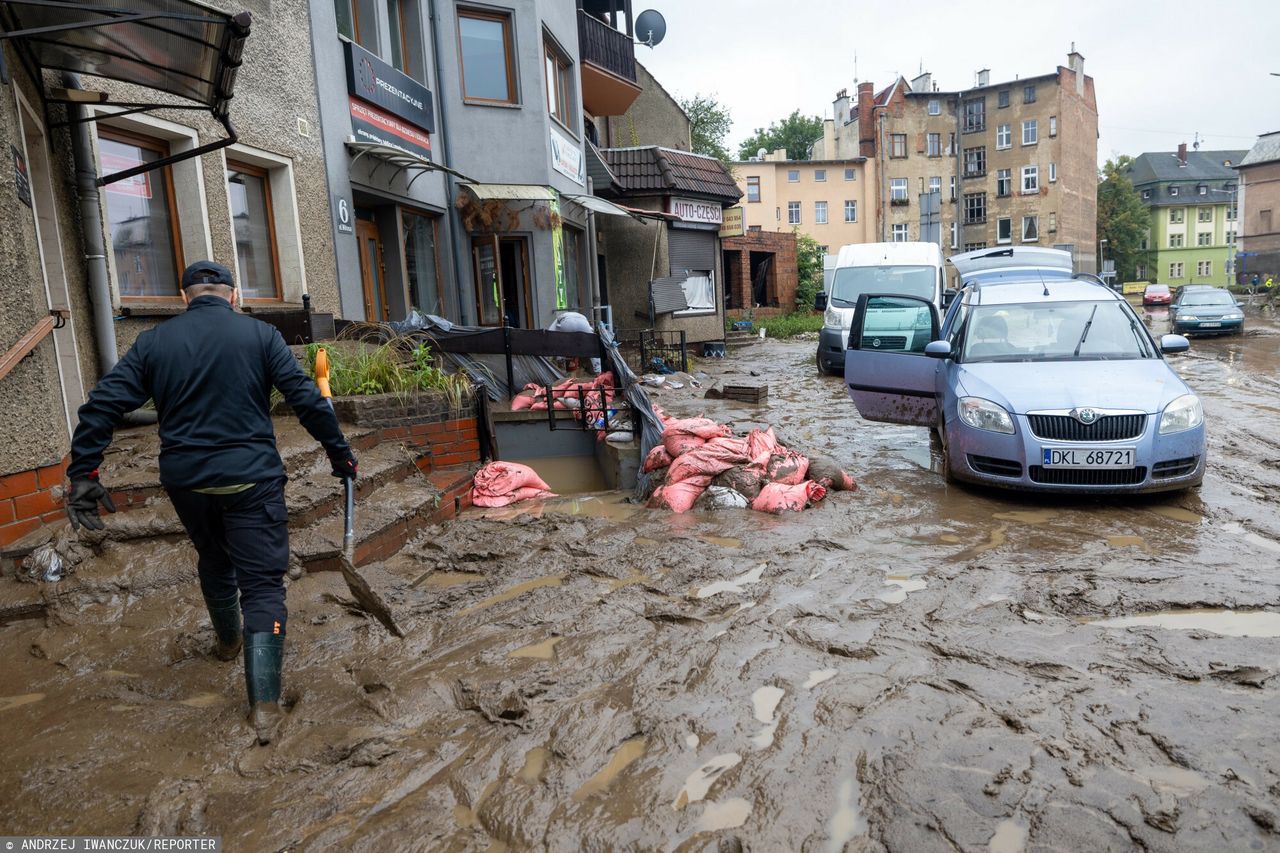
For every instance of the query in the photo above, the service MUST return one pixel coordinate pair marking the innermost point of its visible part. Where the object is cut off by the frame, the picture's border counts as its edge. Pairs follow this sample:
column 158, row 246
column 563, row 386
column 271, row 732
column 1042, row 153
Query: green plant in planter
column 396, row 366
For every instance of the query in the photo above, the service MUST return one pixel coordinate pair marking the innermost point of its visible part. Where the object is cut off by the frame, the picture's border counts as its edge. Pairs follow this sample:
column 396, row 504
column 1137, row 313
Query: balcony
column 608, row 64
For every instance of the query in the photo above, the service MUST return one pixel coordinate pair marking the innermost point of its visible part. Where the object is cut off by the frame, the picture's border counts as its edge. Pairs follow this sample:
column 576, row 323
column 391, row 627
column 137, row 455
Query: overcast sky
column 1163, row 70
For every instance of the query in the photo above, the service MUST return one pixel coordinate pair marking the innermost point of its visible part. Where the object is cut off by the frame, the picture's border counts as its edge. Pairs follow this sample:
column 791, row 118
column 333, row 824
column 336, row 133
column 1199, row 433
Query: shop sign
column 698, row 212
column 370, row 124
column 374, row 81
column 732, row 225
column 567, row 159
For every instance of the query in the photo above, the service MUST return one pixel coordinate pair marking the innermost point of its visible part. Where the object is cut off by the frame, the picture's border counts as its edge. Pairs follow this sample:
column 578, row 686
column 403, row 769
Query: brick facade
column 29, row 499
column 781, row 278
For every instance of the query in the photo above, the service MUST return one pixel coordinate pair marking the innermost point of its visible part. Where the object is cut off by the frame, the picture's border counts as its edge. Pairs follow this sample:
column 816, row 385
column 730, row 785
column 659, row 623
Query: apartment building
column 1259, row 239
column 831, row 200
column 1009, row 163
column 1191, row 197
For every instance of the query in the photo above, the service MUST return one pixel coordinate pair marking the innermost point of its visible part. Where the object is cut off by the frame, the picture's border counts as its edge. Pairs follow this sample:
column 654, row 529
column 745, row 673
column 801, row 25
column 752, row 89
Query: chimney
column 829, row 150
column 1076, row 63
column 866, row 120
column 1182, row 154
column 840, row 106
column 923, row 83
column 984, row 77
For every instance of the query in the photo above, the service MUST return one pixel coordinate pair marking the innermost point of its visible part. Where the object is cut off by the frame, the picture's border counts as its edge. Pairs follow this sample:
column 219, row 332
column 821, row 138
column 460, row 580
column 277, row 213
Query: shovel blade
column 368, row 600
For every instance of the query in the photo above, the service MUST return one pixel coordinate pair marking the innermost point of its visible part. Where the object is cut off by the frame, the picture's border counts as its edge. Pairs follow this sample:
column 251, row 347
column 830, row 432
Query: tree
column 709, row 124
column 796, row 133
column 809, row 260
column 1123, row 220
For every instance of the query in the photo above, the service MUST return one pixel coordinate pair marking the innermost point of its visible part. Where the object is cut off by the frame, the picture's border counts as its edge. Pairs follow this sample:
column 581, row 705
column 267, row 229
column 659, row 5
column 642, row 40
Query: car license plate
column 1210, row 325
column 1088, row 457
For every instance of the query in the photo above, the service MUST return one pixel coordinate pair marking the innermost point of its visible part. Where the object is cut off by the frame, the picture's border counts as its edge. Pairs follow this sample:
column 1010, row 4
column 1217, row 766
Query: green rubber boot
column 263, row 660
column 225, row 616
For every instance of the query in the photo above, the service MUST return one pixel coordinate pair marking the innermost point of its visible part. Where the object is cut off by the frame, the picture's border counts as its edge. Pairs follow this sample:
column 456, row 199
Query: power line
column 1167, row 132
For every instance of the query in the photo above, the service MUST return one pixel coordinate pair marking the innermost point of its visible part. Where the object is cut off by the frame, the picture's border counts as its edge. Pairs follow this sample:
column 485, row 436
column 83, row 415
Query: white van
column 910, row 269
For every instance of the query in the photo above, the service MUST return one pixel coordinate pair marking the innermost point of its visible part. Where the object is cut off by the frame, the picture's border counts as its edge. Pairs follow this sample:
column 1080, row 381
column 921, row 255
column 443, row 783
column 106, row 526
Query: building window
column 1053, row 222
column 898, row 190
column 1053, row 126
column 820, row 175
column 1004, row 230
column 933, row 144
column 1030, row 132
column 358, row 21
column 793, row 213
column 1053, row 173
column 422, row 265
column 1030, row 179
column 819, row 213
column 1173, row 190
column 951, row 145
column 897, row 145
column 1231, row 212
column 1002, row 98
column 975, row 162
column 1202, row 190
column 955, row 234
column 935, row 185
column 488, row 63
column 851, row 174
column 559, row 85
column 975, row 208
column 142, row 217
column 1030, row 229
column 1175, row 270
column 1141, row 271
column 1230, row 237
column 899, row 232
column 753, row 189
column 1204, row 238
column 253, row 225
column 1146, row 194
column 973, row 247
column 935, row 107
column 850, row 211
column 1177, row 215
column 1029, row 94
column 975, row 115
column 1204, row 214
column 793, row 176
column 1004, row 137
column 1204, row 268
column 953, row 187
column 1175, row 241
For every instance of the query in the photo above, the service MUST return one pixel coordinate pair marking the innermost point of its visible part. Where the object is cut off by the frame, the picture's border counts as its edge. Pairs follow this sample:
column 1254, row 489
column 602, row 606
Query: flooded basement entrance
column 568, row 475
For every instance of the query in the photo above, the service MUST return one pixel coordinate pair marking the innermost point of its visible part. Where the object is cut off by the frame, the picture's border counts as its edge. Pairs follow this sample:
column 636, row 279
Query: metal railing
column 56, row 320
column 602, row 45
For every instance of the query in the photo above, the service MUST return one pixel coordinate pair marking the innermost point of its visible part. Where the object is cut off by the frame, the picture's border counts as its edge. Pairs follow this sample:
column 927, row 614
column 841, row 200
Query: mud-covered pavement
column 909, row 667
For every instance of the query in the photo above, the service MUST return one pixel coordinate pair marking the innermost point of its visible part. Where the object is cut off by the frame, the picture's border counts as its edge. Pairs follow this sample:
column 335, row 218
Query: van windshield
column 851, row 282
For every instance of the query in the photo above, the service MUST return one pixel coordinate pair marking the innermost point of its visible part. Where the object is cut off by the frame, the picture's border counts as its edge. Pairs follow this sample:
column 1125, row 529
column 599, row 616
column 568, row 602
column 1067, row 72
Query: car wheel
column 947, row 476
column 824, row 369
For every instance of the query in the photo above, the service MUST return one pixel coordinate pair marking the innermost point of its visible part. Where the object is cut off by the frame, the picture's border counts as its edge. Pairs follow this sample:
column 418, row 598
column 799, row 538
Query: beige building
column 831, row 200
column 1013, row 163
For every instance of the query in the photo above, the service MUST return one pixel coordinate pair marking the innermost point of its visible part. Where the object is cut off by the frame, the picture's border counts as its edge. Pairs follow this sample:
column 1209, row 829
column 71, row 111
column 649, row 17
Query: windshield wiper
column 1085, row 333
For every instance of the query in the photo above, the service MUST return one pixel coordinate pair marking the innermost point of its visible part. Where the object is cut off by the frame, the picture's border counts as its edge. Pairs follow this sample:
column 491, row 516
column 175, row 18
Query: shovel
column 368, row 600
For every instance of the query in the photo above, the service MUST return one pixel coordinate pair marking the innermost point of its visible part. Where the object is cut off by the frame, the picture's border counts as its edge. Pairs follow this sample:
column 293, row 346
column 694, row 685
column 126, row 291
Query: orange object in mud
column 322, row 372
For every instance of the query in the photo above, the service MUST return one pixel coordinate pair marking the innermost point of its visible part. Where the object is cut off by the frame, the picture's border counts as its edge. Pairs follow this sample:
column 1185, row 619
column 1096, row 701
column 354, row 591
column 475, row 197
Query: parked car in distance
column 1206, row 311
column 1036, row 379
column 1157, row 294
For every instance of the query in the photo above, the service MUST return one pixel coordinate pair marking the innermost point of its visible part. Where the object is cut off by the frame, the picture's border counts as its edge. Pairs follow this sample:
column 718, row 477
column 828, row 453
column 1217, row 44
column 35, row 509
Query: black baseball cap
column 206, row 272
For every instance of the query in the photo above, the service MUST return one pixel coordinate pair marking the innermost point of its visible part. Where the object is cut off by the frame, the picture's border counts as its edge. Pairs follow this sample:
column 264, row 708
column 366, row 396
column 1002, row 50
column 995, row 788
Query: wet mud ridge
column 910, row 667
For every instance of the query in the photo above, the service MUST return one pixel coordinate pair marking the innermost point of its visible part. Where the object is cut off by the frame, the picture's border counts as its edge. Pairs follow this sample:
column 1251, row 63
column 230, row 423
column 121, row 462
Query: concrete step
column 385, row 519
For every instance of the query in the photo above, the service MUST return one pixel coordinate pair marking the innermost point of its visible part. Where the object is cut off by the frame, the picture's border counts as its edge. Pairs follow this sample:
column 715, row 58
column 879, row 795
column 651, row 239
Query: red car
column 1157, row 294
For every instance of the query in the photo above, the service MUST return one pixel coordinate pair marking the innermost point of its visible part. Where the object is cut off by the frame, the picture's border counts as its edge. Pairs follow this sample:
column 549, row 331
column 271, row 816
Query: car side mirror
column 820, row 301
column 948, row 296
column 1170, row 344
column 1239, row 304
column 938, row 349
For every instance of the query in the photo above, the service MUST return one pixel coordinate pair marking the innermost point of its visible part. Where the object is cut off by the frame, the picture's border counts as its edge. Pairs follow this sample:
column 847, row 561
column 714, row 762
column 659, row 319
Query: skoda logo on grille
column 1084, row 416
column 875, row 342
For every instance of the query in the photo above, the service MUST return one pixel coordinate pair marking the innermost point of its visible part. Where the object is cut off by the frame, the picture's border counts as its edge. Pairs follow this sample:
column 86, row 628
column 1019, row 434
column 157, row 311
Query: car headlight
column 1181, row 317
column 1235, row 316
column 1182, row 414
column 984, row 414
column 833, row 319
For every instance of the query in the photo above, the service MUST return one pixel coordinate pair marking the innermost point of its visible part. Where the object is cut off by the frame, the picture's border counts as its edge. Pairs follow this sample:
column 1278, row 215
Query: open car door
column 888, row 374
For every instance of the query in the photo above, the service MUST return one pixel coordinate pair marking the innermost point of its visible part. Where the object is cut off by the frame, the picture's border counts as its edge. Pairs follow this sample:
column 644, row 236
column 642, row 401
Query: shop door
column 501, row 268
column 372, row 272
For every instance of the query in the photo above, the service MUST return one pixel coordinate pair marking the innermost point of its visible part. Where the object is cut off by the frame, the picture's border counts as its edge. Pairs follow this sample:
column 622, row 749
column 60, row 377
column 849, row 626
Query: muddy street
column 909, row 667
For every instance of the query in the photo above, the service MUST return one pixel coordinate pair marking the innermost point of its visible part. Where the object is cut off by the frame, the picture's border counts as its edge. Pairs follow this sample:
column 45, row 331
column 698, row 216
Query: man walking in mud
column 210, row 372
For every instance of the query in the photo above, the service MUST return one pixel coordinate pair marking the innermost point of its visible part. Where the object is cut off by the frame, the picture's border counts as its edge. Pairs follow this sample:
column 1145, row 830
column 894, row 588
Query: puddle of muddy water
column 902, row 585
column 1010, row 837
column 535, row 764
column 698, row 784
column 764, row 702
column 1178, row 780
column 1127, row 542
column 723, row 541
column 515, row 592
column 9, row 702
column 202, row 700
column 442, row 580
column 818, row 676
column 692, row 741
column 1251, row 537
column 1177, row 513
column 1030, row 516
column 621, row 759
column 847, row 820
column 1227, row 623
column 729, row 814
column 568, row 475
column 734, row 585
column 546, row 650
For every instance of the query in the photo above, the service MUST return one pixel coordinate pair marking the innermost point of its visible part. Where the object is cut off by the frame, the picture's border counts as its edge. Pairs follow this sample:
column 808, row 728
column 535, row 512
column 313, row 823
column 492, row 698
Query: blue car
column 1036, row 379
column 1206, row 311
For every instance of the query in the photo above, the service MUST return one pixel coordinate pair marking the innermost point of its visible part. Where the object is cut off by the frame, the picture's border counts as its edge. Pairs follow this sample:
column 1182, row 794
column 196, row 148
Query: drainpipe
column 95, row 253
column 450, row 182
column 884, row 182
column 593, row 262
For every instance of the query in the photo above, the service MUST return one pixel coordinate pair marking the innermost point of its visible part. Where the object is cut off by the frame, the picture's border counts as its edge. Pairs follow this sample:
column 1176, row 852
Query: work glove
column 344, row 465
column 82, row 502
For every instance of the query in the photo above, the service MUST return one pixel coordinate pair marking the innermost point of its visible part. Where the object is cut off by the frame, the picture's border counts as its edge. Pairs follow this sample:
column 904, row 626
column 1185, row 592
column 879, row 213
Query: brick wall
column 438, row 434
column 784, row 274
column 29, row 499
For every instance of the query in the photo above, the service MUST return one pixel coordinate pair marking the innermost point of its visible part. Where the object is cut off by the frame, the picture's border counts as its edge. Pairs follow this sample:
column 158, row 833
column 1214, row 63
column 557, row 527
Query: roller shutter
column 691, row 250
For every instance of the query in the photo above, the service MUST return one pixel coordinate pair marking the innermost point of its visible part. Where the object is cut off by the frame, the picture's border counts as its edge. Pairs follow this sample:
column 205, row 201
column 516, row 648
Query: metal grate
column 995, row 467
column 1087, row 476
column 1105, row 428
column 1175, row 467
column 889, row 342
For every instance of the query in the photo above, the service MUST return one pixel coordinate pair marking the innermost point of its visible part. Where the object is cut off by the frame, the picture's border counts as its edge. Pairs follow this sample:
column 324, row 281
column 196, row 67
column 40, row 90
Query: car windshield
column 851, row 282
column 1054, row 331
column 1208, row 297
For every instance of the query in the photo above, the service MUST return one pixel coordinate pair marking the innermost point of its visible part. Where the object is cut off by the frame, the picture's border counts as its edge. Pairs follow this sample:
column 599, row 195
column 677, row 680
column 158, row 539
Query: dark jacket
column 210, row 371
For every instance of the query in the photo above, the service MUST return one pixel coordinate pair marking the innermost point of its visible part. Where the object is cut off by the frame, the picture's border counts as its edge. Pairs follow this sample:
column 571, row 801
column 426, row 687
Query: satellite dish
column 651, row 27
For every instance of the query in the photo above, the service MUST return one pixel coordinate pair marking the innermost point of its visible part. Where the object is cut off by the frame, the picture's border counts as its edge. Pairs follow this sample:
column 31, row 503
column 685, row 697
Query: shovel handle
column 349, row 521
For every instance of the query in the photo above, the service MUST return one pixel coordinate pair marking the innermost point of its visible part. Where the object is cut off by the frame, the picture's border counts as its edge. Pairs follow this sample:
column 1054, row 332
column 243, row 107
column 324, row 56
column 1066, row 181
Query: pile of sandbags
column 701, row 462
column 569, row 393
column 502, row 483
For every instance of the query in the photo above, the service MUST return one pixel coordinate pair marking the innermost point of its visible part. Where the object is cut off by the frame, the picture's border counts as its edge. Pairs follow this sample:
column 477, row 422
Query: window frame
column 164, row 149
column 1004, row 223
column 1029, row 94
column 933, row 145
column 1032, row 172
column 1032, row 125
column 1204, row 268
column 851, row 206
column 1053, row 172
column 508, row 32
column 1002, row 99
column 934, row 107
column 1177, row 215
column 1204, row 238
column 973, row 201
column 899, row 228
column 753, row 182
column 977, row 157
column 1034, row 220
column 850, row 174
column 434, row 219
column 819, row 213
column 893, row 190
column 1175, row 269
column 564, row 93
column 792, row 180
column 974, row 120
column 1004, row 137
column 263, row 175
column 897, row 146
column 1053, row 127
column 1005, row 177
column 793, row 207
column 1177, row 241
column 820, row 176
column 1200, row 214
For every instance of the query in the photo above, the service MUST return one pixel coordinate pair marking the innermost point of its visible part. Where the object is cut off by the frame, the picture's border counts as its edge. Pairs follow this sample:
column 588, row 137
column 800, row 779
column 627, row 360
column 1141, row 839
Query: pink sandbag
column 523, row 400
column 679, row 497
column 715, row 457
column 761, row 444
column 787, row 467
column 657, row 458
column 502, row 483
column 524, row 494
column 703, row 428
column 678, row 443
column 778, row 497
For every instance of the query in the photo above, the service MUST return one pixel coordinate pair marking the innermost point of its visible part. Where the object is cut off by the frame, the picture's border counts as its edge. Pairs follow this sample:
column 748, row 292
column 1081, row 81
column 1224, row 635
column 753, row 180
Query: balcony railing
column 603, row 46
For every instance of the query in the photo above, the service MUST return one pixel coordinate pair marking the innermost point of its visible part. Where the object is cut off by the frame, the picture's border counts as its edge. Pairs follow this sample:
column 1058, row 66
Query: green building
column 1194, row 221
